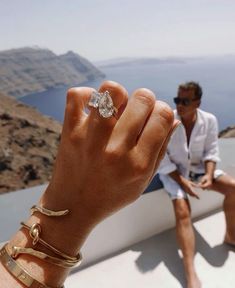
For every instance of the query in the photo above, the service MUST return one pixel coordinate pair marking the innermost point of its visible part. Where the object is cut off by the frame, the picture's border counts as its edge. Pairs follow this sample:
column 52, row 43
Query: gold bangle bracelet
column 16, row 251
column 48, row 212
column 34, row 232
column 18, row 272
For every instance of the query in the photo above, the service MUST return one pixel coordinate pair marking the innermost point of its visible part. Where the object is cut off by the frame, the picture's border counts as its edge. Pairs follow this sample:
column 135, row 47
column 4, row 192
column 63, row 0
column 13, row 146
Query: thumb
column 203, row 185
column 203, row 181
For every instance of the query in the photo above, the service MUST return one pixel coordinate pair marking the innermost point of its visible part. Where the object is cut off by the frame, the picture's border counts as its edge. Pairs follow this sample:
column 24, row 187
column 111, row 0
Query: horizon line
column 127, row 57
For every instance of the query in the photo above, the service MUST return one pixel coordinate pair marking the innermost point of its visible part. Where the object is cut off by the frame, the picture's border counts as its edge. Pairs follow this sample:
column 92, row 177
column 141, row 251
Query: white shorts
column 173, row 188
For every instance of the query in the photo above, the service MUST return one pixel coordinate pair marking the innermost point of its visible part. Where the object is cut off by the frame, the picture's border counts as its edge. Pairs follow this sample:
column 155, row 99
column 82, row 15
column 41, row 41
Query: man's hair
column 192, row 86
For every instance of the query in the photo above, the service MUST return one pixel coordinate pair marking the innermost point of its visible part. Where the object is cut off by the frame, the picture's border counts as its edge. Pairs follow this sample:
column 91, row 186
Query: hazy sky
column 103, row 29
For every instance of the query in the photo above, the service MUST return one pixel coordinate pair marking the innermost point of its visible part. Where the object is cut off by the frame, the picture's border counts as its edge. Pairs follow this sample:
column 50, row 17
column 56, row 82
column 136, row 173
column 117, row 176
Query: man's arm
column 210, row 168
column 211, row 154
column 207, row 179
column 211, row 150
column 184, row 183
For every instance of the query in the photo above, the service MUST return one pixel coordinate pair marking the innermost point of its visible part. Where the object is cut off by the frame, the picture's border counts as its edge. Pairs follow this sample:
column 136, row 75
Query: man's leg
column 225, row 184
column 186, row 239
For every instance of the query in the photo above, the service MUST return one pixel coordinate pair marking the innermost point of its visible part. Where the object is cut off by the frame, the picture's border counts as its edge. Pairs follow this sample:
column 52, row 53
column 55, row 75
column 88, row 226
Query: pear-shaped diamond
column 95, row 99
column 106, row 108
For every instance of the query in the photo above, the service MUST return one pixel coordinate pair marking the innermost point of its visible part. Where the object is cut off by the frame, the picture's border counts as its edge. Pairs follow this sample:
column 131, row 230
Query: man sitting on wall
column 190, row 162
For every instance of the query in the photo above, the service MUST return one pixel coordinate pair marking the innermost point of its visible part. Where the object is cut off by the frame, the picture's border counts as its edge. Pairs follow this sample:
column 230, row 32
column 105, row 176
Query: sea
column 215, row 75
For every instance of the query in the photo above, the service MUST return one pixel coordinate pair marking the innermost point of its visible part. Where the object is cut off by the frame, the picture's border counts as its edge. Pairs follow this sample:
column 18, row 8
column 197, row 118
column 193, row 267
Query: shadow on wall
column 163, row 248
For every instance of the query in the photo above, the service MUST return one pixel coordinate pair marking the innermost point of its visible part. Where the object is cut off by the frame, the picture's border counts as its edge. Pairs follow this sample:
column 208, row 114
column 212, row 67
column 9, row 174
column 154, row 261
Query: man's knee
column 231, row 186
column 224, row 184
column 182, row 210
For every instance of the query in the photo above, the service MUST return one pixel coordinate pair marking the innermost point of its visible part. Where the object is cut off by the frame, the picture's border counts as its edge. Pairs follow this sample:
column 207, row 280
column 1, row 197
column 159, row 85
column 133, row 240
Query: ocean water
column 216, row 76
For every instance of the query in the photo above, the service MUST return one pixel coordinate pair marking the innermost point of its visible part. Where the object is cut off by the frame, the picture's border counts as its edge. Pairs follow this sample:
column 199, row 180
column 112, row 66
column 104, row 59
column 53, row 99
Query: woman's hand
column 105, row 164
column 102, row 165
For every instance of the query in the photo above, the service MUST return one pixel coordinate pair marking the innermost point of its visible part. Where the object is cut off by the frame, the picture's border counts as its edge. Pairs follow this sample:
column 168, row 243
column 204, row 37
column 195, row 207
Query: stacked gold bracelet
column 8, row 257
column 34, row 232
column 19, row 272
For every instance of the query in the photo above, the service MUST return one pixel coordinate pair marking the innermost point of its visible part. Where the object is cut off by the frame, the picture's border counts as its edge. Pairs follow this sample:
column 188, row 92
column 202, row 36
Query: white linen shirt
column 180, row 156
column 203, row 146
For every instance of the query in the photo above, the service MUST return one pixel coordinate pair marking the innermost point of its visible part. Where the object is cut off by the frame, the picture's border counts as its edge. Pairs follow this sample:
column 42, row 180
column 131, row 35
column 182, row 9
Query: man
column 190, row 162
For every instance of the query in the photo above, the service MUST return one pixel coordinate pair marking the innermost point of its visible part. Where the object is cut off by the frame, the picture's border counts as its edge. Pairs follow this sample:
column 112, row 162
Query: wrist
column 72, row 228
column 177, row 177
column 64, row 233
column 182, row 180
column 210, row 175
column 40, row 270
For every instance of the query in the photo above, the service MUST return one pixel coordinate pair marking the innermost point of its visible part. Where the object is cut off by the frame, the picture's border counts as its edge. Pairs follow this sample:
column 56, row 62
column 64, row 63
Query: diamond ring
column 104, row 103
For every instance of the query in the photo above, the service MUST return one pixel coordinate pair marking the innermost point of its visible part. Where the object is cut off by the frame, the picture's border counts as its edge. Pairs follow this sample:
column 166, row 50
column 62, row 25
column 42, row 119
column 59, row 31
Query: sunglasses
column 184, row 101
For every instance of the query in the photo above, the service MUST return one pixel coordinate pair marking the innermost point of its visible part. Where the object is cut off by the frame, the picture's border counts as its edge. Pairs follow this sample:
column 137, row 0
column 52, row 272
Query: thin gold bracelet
column 19, row 272
column 16, row 251
column 34, row 232
column 48, row 212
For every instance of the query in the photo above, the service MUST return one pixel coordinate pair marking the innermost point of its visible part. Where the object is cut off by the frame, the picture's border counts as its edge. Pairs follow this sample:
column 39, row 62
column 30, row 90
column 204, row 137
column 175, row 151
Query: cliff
column 229, row 132
column 28, row 70
column 28, row 145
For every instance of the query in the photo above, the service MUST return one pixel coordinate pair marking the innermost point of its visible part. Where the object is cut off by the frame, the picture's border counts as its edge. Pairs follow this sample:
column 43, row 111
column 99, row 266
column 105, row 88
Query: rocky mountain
column 229, row 132
column 28, row 145
column 28, row 70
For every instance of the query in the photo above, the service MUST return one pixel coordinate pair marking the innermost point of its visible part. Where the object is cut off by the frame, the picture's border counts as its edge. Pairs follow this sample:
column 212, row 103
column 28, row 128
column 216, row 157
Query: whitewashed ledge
column 148, row 216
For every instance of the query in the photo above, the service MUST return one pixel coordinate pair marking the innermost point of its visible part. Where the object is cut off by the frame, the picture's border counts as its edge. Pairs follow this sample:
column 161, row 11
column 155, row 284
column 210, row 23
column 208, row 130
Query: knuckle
column 140, row 168
column 108, row 84
column 145, row 96
column 113, row 155
column 115, row 89
column 165, row 112
column 75, row 137
column 71, row 94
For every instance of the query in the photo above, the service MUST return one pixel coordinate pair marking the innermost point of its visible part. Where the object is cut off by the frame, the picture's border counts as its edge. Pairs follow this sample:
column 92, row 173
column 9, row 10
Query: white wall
column 150, row 215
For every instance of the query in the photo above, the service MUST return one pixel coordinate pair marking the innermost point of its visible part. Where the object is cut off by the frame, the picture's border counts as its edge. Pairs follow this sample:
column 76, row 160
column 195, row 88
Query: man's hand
column 187, row 186
column 206, row 181
column 184, row 183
